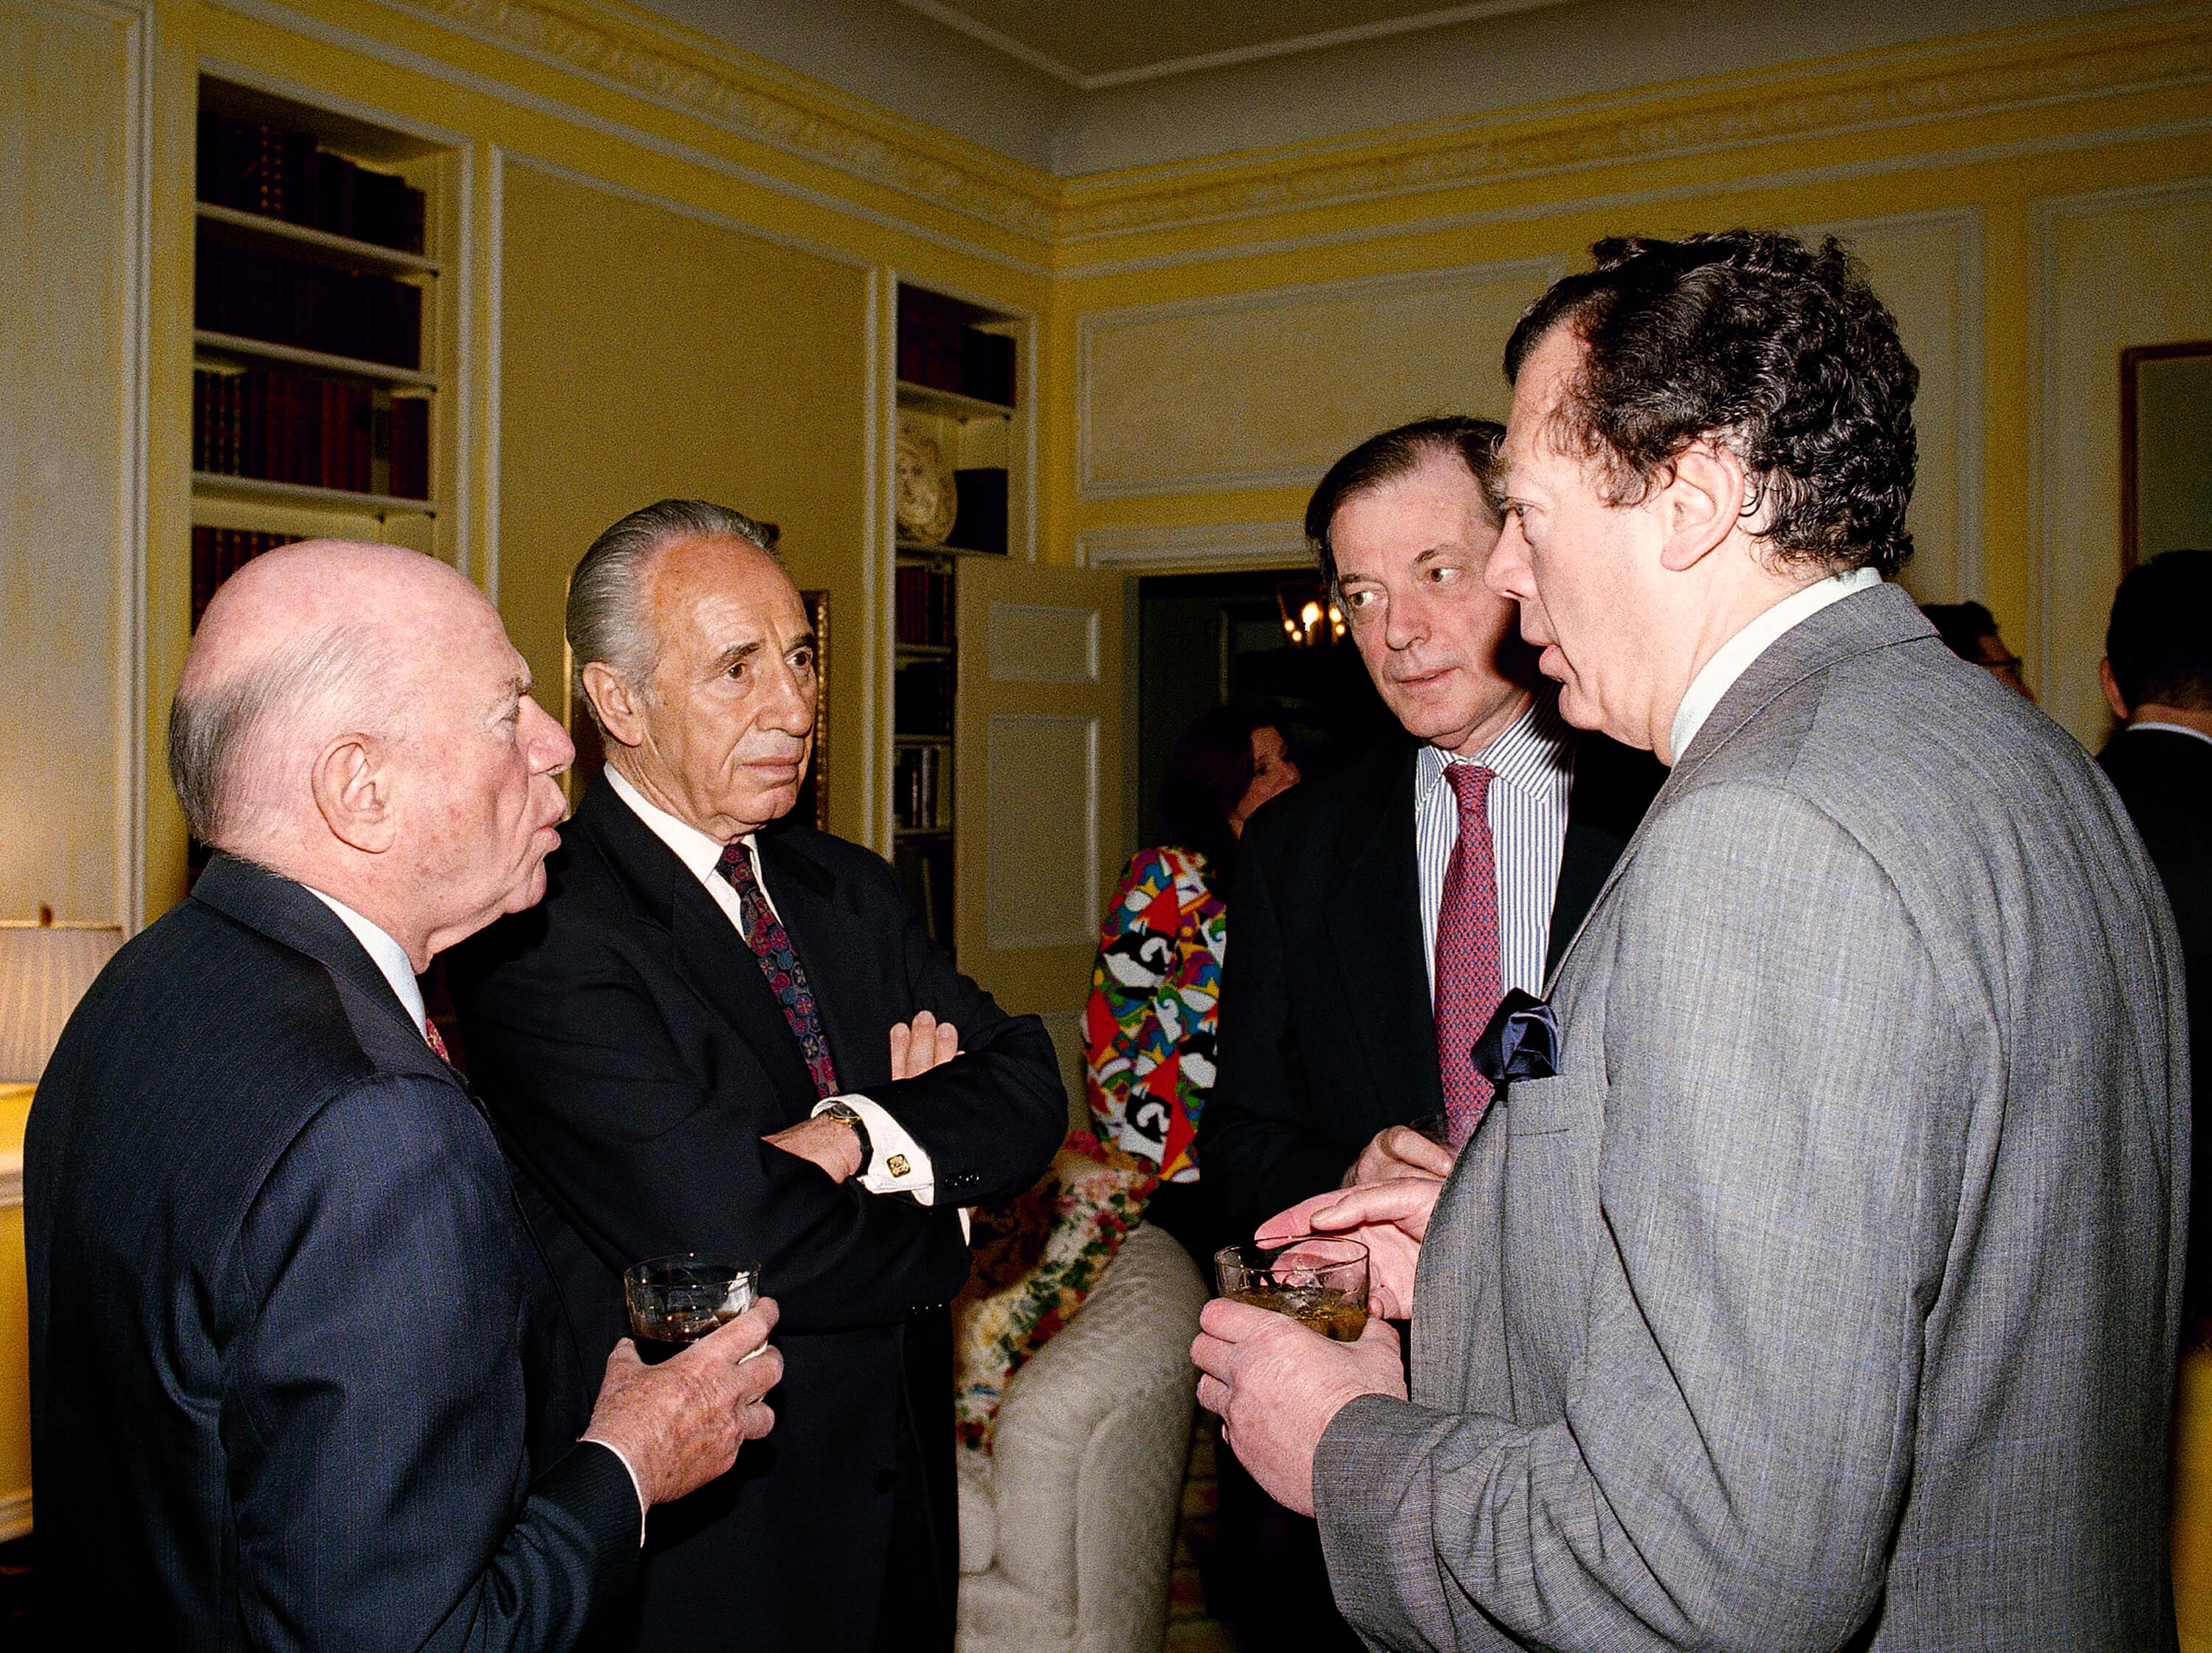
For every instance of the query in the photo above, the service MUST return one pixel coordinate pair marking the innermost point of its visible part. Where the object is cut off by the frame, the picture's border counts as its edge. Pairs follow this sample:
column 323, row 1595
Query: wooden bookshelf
column 948, row 350
column 213, row 485
column 312, row 225
column 254, row 227
column 233, row 347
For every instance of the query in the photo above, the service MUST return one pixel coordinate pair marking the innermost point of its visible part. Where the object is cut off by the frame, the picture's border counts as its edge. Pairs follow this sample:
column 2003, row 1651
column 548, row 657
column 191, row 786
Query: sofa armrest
column 1091, row 1443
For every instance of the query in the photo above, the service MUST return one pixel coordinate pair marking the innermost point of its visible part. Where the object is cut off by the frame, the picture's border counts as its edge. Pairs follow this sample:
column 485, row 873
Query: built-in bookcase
column 960, row 384
column 323, row 319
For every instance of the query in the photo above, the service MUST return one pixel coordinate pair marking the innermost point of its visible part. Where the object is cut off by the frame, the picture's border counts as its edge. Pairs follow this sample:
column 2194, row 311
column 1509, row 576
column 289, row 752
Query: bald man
column 299, row 1378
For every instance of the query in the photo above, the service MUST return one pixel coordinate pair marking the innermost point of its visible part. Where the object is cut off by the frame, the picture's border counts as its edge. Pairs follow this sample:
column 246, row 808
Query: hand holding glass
column 1320, row 1281
column 679, row 1299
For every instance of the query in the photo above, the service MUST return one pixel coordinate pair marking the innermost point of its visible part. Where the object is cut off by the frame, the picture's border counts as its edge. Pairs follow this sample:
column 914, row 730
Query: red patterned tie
column 1468, row 986
column 779, row 962
column 430, row 1032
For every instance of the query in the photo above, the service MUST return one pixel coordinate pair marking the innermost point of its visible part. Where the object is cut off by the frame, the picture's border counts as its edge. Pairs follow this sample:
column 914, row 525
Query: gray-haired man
column 726, row 1031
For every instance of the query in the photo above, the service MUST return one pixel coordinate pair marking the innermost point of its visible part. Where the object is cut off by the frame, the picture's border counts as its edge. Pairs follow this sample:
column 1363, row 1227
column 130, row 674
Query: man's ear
column 2113, row 698
column 616, row 702
column 1700, row 505
column 352, row 787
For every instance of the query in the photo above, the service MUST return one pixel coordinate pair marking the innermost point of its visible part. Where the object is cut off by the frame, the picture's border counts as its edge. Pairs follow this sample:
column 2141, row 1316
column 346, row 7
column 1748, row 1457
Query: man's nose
column 1507, row 572
column 1405, row 617
column 790, row 709
column 550, row 750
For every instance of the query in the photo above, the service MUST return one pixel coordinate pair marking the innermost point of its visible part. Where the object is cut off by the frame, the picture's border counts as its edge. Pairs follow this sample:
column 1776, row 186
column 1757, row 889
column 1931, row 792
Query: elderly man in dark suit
column 1824, row 1292
column 724, row 1031
column 299, row 1378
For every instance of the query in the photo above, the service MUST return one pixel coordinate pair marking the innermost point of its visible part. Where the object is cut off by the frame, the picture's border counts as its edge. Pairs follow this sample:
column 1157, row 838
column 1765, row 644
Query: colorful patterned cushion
column 1036, row 1260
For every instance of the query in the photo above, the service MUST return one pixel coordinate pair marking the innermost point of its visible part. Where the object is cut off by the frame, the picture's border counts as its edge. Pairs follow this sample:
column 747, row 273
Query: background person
column 1970, row 631
column 298, row 1376
column 1149, row 1025
column 724, row 1031
column 2157, row 673
column 1826, row 1293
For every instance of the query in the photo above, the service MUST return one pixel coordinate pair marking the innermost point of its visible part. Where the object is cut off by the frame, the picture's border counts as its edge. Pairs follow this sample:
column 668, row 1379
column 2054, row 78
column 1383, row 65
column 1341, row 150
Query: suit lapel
column 1373, row 915
column 706, row 952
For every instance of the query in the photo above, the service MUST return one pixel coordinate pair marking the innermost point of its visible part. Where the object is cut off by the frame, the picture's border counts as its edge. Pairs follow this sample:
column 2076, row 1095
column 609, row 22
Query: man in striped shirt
column 1378, row 914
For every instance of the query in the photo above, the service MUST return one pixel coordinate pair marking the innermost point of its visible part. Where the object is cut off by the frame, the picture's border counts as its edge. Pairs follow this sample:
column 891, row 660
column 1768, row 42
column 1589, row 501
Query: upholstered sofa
column 1067, row 1530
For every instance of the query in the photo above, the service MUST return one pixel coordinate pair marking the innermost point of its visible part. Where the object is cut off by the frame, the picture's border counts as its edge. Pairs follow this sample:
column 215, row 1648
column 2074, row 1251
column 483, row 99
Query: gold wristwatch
column 847, row 1113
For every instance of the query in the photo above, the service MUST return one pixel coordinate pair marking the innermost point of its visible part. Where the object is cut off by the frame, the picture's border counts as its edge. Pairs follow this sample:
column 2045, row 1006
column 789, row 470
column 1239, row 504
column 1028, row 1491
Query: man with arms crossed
column 726, row 1031
column 1826, row 1294
column 298, row 1379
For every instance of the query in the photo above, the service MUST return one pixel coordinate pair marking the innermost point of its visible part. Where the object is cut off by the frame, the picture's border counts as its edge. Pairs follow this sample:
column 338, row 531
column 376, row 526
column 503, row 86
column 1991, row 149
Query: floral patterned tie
column 779, row 962
column 1468, row 975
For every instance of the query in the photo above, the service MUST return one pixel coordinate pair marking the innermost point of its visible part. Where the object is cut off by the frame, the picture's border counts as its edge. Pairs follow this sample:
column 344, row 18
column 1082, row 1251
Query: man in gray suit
column 1826, row 1294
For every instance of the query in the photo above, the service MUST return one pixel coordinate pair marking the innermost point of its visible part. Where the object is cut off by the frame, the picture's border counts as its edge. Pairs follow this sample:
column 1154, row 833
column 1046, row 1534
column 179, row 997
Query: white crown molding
column 953, row 18
column 730, row 97
column 1621, row 130
column 1223, row 545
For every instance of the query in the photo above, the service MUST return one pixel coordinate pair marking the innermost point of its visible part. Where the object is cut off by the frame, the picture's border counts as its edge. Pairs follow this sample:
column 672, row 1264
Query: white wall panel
column 1266, row 389
column 1041, row 855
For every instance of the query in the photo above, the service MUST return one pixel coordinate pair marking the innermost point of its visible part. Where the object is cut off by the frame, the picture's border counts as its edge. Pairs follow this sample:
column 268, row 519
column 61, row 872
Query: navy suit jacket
column 298, row 1376
column 633, row 1058
column 1326, row 1033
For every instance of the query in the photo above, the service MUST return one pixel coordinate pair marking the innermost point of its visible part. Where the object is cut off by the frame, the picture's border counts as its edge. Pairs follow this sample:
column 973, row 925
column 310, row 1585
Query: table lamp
column 44, row 968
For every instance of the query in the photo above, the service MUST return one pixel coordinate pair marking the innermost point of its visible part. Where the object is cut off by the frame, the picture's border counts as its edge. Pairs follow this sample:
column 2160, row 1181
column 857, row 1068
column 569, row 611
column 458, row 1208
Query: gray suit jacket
column 1827, row 1297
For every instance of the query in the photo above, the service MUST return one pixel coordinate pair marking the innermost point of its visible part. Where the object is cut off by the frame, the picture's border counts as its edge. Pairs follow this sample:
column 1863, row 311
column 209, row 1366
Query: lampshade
column 44, row 970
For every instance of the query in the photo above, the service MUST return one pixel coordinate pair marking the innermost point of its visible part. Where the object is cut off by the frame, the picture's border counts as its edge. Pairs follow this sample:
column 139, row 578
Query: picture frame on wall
column 2166, row 449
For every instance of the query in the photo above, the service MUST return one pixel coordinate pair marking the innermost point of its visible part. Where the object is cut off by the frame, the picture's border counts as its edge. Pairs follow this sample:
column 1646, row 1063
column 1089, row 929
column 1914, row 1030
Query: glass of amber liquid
column 1320, row 1281
column 677, row 1300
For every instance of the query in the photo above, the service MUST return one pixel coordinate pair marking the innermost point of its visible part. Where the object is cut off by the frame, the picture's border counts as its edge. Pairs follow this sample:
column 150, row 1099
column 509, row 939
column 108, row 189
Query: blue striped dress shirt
column 1534, row 763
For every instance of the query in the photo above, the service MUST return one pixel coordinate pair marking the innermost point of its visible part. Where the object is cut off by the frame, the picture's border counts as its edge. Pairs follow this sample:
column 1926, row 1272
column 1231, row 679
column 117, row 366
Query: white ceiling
column 1095, row 44
column 1081, row 86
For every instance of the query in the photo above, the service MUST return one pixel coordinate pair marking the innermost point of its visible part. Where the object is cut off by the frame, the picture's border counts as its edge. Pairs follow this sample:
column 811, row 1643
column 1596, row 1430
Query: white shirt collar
column 2169, row 729
column 388, row 956
column 1735, row 655
column 693, row 847
column 1533, row 754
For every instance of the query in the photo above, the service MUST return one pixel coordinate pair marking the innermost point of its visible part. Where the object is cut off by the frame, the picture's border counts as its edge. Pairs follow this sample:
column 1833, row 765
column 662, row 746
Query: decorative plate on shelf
column 928, row 500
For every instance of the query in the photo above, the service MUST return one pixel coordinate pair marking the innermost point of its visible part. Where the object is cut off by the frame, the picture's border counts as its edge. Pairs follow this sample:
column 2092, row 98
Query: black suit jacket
column 291, row 1341
column 2165, row 780
column 1326, row 1034
column 634, row 1058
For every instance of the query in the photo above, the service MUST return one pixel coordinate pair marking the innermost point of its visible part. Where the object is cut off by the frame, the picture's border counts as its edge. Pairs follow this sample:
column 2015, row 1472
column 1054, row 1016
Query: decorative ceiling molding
column 1217, row 545
column 1487, row 155
column 732, row 95
column 2073, row 63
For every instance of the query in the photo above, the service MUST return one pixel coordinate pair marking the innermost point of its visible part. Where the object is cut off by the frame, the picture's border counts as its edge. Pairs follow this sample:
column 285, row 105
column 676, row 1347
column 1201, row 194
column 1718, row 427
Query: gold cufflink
column 897, row 1165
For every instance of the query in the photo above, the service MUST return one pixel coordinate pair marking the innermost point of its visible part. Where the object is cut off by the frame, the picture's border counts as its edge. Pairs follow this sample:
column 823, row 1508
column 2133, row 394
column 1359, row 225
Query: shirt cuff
column 635, row 1485
column 899, row 1166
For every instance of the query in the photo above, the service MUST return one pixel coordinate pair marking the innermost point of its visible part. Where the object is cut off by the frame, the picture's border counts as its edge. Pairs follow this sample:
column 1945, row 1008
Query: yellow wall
column 625, row 195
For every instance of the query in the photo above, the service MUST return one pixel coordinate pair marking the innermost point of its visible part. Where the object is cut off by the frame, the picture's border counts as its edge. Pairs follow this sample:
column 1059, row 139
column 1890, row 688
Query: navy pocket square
column 1520, row 1043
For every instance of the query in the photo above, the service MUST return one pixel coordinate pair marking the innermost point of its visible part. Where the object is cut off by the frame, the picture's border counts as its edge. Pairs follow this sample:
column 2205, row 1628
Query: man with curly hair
column 1824, row 1292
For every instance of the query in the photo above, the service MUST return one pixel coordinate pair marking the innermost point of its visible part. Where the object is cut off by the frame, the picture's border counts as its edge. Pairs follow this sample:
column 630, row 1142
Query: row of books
column 917, row 802
column 938, row 348
column 279, row 173
column 924, row 608
column 290, row 427
column 255, row 294
column 219, row 553
column 923, row 698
